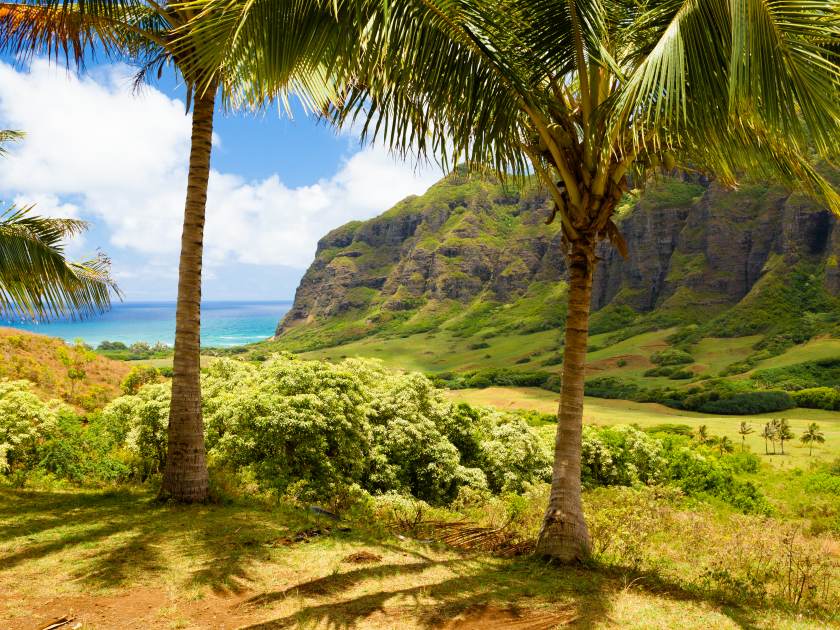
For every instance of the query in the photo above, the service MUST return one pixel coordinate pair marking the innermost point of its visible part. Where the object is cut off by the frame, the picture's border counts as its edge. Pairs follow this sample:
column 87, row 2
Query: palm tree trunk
column 564, row 536
column 185, row 478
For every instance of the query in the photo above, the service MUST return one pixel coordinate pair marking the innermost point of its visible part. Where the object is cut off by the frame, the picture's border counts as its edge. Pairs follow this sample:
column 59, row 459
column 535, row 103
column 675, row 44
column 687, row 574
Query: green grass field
column 117, row 559
column 600, row 411
column 442, row 351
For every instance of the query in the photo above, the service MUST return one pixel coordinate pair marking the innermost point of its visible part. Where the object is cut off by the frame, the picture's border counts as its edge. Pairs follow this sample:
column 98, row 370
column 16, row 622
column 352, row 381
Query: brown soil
column 148, row 608
column 362, row 557
column 493, row 618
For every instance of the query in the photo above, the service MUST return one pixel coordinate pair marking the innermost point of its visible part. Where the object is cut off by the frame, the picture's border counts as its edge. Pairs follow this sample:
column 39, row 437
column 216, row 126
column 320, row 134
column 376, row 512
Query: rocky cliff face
column 695, row 250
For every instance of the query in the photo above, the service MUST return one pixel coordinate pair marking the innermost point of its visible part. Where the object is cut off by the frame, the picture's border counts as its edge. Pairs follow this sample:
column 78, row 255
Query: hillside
column 72, row 373
column 468, row 276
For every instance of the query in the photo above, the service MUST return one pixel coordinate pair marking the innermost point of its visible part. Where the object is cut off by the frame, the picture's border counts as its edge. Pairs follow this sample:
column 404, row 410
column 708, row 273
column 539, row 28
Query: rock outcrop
column 694, row 248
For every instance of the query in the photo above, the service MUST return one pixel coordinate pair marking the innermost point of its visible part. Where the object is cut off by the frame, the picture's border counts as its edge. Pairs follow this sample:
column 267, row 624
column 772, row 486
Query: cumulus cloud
column 96, row 149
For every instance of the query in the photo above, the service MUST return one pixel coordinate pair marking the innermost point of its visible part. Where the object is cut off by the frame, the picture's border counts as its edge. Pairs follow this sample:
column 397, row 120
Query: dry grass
column 116, row 559
column 37, row 358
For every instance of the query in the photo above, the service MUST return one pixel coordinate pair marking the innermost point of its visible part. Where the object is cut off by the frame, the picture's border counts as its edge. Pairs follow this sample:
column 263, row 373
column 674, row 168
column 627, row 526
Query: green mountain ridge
column 474, row 257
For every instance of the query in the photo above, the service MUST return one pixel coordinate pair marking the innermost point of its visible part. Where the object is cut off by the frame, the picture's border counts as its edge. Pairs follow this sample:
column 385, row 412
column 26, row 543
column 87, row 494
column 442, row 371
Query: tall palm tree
column 36, row 279
column 769, row 433
column 812, row 436
column 744, row 430
column 725, row 445
column 154, row 35
column 591, row 95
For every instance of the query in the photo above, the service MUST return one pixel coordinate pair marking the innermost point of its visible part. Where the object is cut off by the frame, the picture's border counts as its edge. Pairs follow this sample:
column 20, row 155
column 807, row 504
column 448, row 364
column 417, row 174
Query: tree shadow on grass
column 524, row 594
column 476, row 587
column 116, row 539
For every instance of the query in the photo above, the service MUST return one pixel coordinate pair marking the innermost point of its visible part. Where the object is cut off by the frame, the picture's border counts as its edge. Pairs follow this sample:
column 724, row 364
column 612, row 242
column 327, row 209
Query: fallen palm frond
column 503, row 541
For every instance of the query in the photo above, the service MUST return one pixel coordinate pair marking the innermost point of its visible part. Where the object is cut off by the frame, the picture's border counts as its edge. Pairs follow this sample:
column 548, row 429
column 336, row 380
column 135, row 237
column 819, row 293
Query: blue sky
column 97, row 150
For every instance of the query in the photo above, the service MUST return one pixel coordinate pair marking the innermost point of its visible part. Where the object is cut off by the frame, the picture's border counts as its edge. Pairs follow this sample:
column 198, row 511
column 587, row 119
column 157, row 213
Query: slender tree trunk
column 564, row 536
column 185, row 478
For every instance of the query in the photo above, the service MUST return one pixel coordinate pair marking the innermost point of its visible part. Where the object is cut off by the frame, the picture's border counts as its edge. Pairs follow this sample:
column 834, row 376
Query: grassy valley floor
column 116, row 559
column 604, row 412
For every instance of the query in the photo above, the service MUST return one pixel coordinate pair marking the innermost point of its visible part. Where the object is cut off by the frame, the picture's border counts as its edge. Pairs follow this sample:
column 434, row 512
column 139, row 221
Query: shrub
column 324, row 428
column 746, row 403
column 138, row 376
column 479, row 346
column 671, row 356
column 620, row 456
column 610, row 387
column 139, row 422
column 818, row 398
column 671, row 429
column 25, row 420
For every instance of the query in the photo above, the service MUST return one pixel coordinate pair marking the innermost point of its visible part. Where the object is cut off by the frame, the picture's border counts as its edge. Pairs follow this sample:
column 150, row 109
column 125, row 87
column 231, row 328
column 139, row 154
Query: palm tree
column 154, row 34
column 590, row 95
column 725, row 445
column 769, row 433
column 702, row 434
column 744, row 430
column 783, row 431
column 811, row 436
column 36, row 279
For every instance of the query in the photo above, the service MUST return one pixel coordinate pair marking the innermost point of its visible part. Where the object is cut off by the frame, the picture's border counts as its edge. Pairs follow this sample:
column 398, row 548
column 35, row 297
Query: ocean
column 222, row 323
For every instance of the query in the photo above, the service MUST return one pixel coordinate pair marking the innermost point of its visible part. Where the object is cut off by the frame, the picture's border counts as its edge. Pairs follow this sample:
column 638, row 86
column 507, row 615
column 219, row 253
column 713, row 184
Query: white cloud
column 95, row 148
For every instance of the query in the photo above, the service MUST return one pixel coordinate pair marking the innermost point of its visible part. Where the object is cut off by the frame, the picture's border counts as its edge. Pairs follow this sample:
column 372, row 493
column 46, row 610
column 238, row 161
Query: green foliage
column 671, row 356
column 501, row 377
column 743, row 403
column 139, row 423
column 25, row 420
column 140, row 375
column 625, row 456
column 713, row 397
column 808, row 375
column 324, row 428
column 818, row 398
column 137, row 351
column 620, row 456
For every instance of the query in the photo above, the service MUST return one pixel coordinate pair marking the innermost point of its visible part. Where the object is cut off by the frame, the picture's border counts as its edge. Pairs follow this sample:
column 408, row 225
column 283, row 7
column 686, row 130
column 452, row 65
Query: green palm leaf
column 36, row 280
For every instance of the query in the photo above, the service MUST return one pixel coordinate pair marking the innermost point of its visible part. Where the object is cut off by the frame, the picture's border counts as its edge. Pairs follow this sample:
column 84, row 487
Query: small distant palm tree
column 725, row 445
column 744, row 430
column 769, row 433
column 36, row 279
column 702, row 434
column 784, row 432
column 812, row 435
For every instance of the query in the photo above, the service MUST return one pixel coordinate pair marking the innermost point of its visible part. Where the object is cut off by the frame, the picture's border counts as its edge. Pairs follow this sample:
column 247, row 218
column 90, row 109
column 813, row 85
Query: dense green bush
column 743, row 403
column 625, row 456
column 818, row 398
column 620, row 456
column 490, row 377
column 671, row 356
column 808, row 375
column 324, row 428
column 25, row 421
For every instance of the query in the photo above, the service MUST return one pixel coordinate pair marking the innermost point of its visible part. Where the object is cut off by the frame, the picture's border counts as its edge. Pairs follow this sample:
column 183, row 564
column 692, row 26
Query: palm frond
column 37, row 281
column 7, row 136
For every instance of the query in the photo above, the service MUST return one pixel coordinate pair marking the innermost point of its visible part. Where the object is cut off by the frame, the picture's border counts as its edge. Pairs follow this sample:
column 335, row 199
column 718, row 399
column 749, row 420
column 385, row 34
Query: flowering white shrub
column 326, row 427
column 25, row 421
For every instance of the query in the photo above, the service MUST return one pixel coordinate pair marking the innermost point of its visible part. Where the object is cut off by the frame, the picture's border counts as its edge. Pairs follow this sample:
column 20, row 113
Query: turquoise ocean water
column 222, row 323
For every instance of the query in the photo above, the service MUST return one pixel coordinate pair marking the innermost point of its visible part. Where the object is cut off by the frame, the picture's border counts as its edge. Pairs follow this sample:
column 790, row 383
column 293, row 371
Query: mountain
column 474, row 259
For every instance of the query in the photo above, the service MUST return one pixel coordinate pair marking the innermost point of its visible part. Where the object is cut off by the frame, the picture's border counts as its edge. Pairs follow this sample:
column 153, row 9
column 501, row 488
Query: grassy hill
column 58, row 370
